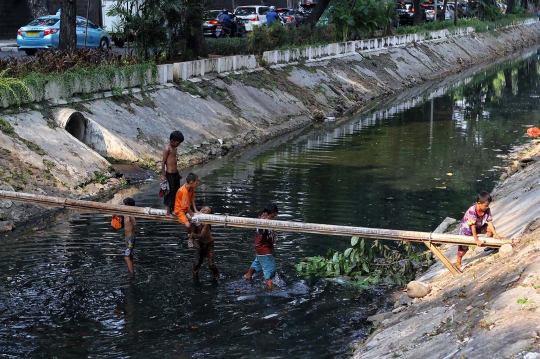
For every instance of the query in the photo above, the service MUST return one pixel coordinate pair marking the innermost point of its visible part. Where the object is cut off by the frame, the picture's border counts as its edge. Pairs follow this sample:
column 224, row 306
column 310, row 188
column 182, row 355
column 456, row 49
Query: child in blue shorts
column 264, row 248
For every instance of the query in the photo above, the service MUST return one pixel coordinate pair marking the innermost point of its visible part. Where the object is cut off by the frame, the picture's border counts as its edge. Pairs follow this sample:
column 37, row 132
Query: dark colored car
column 282, row 12
column 307, row 8
column 294, row 16
column 405, row 12
column 210, row 22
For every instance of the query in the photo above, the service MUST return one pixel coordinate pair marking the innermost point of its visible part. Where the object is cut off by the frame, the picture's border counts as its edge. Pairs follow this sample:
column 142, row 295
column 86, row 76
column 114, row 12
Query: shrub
column 228, row 46
column 276, row 36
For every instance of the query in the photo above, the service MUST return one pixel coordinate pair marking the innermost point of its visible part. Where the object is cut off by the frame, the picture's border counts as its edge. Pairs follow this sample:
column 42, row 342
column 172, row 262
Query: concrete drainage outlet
column 73, row 122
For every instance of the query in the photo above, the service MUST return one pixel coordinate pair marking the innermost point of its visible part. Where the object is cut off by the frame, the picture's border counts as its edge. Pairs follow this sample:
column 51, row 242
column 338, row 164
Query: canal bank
column 489, row 311
column 44, row 150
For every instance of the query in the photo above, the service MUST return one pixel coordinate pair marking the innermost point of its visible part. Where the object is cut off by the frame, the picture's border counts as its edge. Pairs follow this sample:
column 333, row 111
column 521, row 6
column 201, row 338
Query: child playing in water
column 185, row 199
column 264, row 248
column 169, row 171
column 129, row 233
column 477, row 220
column 202, row 234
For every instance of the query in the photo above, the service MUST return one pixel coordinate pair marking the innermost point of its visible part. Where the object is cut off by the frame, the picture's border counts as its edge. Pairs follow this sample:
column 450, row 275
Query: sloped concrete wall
column 250, row 107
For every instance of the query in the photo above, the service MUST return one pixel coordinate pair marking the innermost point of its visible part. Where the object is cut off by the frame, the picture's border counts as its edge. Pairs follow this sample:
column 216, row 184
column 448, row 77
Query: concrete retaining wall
column 182, row 71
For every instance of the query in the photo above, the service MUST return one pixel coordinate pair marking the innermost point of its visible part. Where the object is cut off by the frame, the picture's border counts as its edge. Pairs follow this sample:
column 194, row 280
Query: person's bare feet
column 170, row 215
column 247, row 277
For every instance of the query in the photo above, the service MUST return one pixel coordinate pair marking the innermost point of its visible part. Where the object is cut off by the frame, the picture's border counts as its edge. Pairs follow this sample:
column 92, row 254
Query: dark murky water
column 64, row 291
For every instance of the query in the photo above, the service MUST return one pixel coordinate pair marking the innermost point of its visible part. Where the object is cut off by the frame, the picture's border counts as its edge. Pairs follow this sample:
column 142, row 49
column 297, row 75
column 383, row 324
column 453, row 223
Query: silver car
column 252, row 15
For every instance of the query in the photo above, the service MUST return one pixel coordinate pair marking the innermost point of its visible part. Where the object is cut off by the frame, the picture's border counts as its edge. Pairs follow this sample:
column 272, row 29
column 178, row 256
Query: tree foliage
column 161, row 27
column 361, row 17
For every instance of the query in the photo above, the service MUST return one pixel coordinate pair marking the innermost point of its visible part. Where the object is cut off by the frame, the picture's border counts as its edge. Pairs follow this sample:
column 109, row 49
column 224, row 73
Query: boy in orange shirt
column 184, row 200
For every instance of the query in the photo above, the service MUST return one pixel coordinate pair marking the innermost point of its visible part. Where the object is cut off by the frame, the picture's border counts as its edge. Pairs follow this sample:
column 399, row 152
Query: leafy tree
column 161, row 27
column 317, row 12
column 195, row 44
column 68, row 32
column 362, row 17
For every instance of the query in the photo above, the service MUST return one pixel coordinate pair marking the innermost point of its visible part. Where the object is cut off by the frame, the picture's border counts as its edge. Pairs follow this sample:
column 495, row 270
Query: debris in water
column 270, row 316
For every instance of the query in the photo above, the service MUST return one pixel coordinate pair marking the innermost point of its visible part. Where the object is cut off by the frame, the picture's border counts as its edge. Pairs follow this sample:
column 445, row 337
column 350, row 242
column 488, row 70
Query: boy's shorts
column 464, row 249
column 265, row 263
column 182, row 218
column 130, row 246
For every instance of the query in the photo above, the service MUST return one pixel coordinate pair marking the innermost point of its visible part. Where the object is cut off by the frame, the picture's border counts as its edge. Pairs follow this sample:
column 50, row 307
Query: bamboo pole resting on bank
column 429, row 238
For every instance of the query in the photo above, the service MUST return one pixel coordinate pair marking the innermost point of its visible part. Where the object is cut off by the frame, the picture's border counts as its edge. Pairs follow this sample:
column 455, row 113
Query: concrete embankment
column 489, row 311
column 73, row 149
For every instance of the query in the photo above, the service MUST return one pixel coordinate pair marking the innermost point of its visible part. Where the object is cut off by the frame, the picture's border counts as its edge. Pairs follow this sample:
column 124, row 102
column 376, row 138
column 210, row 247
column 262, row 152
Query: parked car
column 405, row 12
column 210, row 22
column 294, row 16
column 252, row 15
column 307, row 8
column 282, row 12
column 44, row 33
column 430, row 12
column 448, row 13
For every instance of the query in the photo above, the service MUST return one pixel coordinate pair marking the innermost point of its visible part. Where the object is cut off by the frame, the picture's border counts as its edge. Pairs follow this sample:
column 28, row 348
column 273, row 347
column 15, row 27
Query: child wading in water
column 264, row 248
column 129, row 233
column 169, row 170
column 477, row 220
column 185, row 199
column 206, row 246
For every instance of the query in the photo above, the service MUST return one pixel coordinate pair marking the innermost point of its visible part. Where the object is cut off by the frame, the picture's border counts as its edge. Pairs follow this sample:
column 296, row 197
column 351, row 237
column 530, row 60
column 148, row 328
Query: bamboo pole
column 242, row 222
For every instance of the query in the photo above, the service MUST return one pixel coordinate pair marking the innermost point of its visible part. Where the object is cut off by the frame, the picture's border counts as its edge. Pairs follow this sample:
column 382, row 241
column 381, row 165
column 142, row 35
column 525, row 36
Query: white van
column 252, row 15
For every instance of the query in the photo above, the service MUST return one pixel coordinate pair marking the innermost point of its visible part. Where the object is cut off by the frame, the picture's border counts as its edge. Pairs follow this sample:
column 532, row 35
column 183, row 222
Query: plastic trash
column 533, row 132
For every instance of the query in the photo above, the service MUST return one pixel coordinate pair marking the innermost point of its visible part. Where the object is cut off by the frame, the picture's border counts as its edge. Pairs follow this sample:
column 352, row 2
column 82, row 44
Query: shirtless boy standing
column 169, row 171
column 205, row 249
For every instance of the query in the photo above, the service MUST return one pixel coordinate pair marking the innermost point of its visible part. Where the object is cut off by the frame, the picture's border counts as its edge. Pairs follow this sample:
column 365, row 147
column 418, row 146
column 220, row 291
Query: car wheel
column 30, row 52
column 104, row 44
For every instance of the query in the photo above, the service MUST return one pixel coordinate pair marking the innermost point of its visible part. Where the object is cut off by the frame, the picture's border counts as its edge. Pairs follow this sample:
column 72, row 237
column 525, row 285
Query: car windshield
column 243, row 11
column 210, row 15
column 282, row 11
column 44, row 21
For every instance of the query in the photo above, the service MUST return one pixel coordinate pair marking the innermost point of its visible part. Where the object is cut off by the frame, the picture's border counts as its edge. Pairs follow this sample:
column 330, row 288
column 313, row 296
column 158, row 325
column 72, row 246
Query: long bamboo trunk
column 287, row 226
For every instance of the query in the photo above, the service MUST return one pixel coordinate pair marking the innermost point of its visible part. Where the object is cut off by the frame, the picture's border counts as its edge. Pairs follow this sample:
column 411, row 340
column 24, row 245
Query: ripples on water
column 65, row 292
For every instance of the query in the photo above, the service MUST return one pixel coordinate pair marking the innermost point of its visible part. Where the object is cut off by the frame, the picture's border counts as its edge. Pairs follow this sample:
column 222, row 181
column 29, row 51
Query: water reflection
column 64, row 288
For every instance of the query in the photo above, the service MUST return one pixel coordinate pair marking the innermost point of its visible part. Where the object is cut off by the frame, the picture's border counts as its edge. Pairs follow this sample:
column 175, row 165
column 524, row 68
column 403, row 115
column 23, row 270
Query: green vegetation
column 31, row 145
column 368, row 263
column 100, row 177
column 228, row 46
column 525, row 302
column 6, row 128
column 191, row 88
column 276, row 36
column 13, row 89
column 85, row 71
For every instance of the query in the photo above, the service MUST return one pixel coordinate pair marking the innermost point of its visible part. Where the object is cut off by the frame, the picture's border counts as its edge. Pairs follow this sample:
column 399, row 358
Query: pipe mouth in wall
column 73, row 122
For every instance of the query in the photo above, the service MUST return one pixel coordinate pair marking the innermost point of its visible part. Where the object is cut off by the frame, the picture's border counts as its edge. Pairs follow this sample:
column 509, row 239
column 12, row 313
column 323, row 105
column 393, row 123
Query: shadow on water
column 65, row 291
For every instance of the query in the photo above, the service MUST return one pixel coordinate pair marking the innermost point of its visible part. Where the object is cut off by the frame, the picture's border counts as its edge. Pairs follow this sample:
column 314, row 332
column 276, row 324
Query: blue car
column 44, row 33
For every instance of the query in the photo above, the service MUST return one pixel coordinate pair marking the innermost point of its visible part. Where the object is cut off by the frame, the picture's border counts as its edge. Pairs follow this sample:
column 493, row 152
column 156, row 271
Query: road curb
column 9, row 48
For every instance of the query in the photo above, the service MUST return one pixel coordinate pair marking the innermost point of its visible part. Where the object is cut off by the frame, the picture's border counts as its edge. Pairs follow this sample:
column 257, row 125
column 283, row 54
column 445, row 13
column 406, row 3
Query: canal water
column 407, row 164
